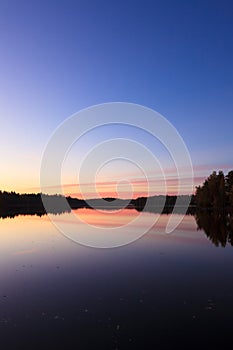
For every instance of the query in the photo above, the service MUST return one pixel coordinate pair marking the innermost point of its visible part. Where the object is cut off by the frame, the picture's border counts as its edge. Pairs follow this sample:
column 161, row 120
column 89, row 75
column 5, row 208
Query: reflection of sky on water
column 34, row 239
column 54, row 286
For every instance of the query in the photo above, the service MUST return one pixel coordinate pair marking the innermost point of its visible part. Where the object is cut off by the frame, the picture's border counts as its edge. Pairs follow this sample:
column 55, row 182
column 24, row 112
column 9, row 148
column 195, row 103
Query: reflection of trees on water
column 32, row 212
column 217, row 225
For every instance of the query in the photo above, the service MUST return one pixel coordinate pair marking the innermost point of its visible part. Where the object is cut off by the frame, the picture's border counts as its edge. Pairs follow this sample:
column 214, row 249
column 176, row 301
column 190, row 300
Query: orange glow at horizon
column 137, row 188
column 105, row 188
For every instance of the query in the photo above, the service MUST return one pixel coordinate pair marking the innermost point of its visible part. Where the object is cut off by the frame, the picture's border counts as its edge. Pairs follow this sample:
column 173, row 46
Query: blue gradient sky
column 58, row 57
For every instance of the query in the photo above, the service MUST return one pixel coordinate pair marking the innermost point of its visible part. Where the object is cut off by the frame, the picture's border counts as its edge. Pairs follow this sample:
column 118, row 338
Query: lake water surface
column 161, row 291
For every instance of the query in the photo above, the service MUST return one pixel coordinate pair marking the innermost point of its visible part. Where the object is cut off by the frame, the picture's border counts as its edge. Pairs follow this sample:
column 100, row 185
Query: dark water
column 162, row 291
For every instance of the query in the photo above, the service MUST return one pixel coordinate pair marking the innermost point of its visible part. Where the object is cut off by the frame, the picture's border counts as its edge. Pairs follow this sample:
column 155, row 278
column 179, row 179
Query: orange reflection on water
column 29, row 235
column 109, row 218
column 25, row 235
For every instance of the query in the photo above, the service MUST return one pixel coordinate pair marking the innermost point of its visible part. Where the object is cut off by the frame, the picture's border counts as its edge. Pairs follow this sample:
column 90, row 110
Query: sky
column 58, row 57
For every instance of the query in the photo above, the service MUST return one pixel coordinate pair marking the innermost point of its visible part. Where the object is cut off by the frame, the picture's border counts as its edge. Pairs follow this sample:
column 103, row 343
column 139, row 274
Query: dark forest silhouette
column 13, row 204
column 216, row 192
column 212, row 206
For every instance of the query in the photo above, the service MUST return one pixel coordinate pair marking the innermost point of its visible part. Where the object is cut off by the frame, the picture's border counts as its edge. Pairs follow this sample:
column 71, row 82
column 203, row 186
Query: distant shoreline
column 13, row 204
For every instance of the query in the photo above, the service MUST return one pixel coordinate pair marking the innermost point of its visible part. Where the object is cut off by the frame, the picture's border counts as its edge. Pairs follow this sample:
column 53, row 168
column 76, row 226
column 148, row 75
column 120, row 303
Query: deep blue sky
column 60, row 56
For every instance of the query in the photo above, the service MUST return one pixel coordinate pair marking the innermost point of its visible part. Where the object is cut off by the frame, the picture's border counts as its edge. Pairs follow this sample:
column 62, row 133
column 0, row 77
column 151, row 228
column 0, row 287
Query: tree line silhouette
column 13, row 204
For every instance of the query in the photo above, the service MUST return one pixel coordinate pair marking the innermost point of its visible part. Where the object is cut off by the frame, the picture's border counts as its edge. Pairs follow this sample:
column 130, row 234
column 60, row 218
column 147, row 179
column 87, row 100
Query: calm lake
column 162, row 290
